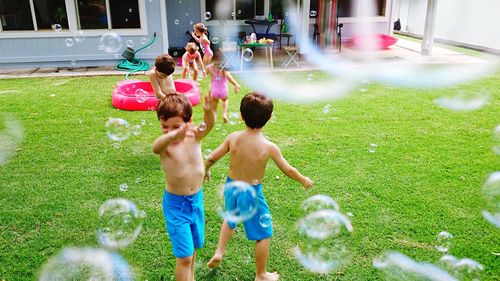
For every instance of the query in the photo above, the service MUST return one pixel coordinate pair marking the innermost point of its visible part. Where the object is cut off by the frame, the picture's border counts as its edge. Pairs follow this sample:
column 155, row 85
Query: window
column 18, row 15
column 94, row 14
column 234, row 9
column 346, row 8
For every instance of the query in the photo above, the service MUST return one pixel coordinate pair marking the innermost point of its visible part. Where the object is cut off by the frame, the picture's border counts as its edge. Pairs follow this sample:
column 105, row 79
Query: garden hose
column 131, row 64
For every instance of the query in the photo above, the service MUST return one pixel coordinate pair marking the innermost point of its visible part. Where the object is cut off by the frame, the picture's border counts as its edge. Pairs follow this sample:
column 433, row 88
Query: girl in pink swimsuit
column 190, row 57
column 200, row 35
column 218, row 87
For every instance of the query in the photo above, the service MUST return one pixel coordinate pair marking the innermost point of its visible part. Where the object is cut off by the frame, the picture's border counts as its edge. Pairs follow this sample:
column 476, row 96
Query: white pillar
column 429, row 28
column 304, row 32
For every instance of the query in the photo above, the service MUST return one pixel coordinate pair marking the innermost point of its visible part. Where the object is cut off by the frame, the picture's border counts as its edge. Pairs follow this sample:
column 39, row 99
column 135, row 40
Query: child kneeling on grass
column 249, row 152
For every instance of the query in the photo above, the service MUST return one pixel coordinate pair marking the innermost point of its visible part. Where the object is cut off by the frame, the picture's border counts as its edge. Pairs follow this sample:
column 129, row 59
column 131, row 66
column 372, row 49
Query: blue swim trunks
column 259, row 226
column 185, row 219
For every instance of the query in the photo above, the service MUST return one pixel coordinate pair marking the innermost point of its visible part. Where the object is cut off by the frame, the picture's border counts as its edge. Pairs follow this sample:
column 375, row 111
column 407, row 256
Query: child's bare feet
column 214, row 261
column 225, row 119
column 268, row 276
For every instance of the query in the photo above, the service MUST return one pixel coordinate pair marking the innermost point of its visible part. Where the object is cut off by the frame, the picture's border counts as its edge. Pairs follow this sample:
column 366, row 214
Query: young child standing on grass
column 249, row 153
column 200, row 35
column 181, row 159
column 218, row 87
column 190, row 59
column 161, row 75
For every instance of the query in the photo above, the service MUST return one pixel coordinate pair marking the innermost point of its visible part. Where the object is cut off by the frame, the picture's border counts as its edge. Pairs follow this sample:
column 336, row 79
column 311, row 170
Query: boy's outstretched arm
column 217, row 154
column 208, row 118
column 161, row 143
column 288, row 169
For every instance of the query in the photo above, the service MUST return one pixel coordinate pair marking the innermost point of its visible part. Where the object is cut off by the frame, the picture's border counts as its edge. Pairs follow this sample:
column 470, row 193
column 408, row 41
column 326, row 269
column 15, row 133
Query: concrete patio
column 405, row 50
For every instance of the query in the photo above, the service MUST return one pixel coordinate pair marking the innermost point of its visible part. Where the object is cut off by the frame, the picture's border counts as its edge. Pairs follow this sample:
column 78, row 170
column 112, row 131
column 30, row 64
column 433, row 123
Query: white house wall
column 473, row 23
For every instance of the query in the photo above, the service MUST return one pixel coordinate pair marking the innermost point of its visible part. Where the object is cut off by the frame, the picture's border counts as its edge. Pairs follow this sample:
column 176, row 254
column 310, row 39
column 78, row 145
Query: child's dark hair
column 256, row 109
column 174, row 105
column 191, row 48
column 164, row 63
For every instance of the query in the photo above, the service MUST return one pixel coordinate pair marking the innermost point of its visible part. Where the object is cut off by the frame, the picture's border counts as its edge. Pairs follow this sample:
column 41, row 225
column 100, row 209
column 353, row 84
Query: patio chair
column 293, row 56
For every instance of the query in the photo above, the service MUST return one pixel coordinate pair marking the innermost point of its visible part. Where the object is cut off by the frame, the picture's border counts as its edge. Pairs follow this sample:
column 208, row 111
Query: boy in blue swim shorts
column 179, row 148
column 249, row 153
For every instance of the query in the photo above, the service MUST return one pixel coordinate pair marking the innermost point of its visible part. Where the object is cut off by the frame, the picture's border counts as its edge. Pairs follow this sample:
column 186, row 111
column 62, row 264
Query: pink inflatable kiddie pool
column 139, row 95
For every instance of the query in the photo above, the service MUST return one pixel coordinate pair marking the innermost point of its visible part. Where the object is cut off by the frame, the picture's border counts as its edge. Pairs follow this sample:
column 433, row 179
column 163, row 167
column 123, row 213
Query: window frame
column 233, row 21
column 72, row 16
column 383, row 18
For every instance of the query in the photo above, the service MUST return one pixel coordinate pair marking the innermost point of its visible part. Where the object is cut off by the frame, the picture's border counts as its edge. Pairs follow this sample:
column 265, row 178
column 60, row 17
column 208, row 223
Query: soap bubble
column 491, row 192
column 111, row 42
column 57, row 27
column 247, row 54
column 69, row 42
column 323, row 241
column 136, row 130
column 119, row 223
column 496, row 137
column 130, row 10
column 79, row 36
column 202, row 127
column 141, row 95
column 206, row 152
column 11, row 137
column 233, row 117
column 240, row 202
column 319, row 202
column 364, row 85
column 123, row 187
column 144, row 40
column 176, row 22
column 215, row 40
column 326, row 108
column 313, row 13
column 86, row 264
column 372, row 148
column 129, row 43
column 265, row 220
column 396, row 266
column 117, row 129
column 324, row 224
column 191, row 22
column 208, row 15
column 73, row 62
column 443, row 241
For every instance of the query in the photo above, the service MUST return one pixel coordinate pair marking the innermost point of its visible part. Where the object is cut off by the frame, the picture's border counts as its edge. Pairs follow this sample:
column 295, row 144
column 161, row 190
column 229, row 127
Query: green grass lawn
column 425, row 177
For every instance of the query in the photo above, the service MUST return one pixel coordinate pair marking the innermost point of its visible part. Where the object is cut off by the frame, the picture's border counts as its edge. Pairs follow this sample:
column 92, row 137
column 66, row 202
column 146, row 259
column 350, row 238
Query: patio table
column 268, row 48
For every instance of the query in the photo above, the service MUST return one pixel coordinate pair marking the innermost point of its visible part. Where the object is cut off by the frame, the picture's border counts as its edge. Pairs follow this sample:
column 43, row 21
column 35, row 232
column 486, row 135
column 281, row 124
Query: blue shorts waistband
column 174, row 198
column 256, row 186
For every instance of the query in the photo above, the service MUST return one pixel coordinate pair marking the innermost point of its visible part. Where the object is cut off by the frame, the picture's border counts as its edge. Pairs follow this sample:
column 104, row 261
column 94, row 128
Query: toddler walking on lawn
column 249, row 152
column 219, row 76
column 179, row 148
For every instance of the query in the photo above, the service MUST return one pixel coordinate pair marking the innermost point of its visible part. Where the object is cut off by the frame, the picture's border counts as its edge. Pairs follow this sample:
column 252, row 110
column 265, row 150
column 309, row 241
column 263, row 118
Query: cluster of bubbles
column 11, row 137
column 118, row 129
column 323, row 235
